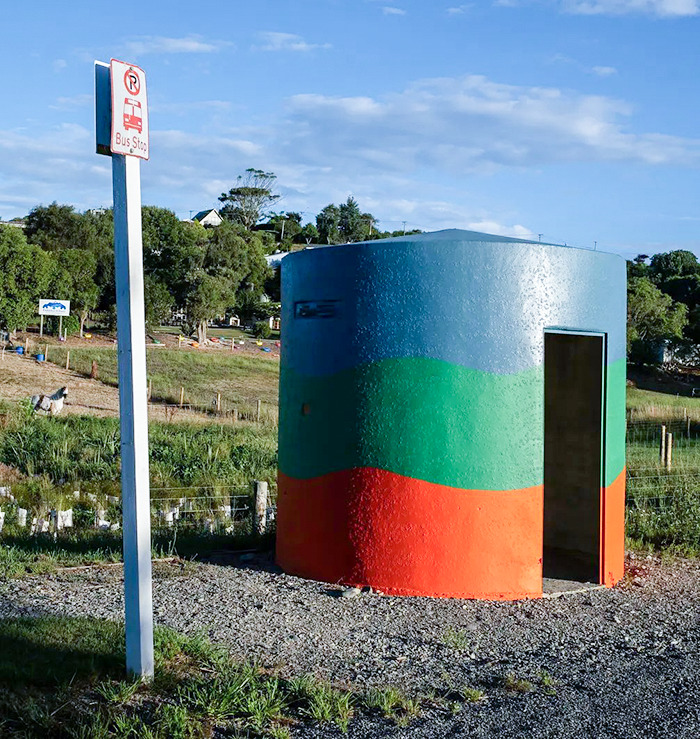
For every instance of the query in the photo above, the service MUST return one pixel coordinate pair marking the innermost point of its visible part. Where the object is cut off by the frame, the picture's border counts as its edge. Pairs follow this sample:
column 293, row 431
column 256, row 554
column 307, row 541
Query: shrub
column 262, row 330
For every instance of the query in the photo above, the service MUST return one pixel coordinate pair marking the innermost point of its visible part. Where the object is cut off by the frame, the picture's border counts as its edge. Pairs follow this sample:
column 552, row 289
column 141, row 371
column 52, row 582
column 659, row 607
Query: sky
column 569, row 121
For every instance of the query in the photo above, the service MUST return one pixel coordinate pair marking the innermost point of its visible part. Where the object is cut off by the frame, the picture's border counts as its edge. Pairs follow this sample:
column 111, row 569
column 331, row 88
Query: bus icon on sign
column 132, row 115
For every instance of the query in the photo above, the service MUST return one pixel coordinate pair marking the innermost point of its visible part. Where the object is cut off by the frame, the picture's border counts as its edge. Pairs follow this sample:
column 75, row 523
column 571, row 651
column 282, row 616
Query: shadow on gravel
column 251, row 559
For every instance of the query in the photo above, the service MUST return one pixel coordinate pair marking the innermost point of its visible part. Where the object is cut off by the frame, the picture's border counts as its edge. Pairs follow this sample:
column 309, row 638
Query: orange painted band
column 612, row 554
column 367, row 526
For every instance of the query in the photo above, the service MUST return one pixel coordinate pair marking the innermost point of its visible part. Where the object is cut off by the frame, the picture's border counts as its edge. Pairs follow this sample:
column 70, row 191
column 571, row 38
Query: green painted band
column 419, row 417
column 615, row 420
column 429, row 420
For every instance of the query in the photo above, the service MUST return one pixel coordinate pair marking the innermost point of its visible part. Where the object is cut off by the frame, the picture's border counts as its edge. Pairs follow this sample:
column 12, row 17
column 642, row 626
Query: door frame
column 603, row 430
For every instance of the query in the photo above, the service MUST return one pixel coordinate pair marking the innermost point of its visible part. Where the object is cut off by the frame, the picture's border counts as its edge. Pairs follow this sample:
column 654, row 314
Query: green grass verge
column 64, row 677
column 85, row 449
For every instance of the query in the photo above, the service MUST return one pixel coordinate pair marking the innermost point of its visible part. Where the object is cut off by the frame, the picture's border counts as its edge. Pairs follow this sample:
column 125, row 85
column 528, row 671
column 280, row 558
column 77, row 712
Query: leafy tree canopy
column 651, row 317
column 25, row 277
column 250, row 199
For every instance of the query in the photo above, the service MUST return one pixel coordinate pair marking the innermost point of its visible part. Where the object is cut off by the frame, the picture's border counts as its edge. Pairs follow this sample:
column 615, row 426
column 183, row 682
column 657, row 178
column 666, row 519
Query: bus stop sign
column 129, row 110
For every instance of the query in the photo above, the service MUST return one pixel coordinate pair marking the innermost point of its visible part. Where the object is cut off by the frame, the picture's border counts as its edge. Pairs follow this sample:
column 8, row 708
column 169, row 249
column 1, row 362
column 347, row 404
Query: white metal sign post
column 122, row 132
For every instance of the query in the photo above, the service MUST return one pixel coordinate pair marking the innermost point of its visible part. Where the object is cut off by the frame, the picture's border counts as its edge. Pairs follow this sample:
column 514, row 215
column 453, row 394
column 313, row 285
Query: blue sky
column 574, row 119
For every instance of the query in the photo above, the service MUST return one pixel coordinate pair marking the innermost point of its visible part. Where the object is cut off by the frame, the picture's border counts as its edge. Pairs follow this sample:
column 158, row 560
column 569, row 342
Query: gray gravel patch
column 624, row 662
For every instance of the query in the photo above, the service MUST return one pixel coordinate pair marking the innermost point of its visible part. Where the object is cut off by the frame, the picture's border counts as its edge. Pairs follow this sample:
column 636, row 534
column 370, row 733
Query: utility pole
column 404, row 227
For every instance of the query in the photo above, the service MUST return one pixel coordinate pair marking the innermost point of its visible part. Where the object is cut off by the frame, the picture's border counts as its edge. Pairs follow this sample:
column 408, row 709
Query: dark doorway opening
column 573, row 457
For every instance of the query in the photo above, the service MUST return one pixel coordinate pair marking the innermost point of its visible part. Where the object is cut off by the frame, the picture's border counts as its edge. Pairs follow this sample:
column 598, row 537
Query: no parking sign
column 129, row 110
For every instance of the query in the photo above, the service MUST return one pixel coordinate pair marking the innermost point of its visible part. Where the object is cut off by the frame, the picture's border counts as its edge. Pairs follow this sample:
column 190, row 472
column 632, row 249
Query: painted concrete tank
column 452, row 415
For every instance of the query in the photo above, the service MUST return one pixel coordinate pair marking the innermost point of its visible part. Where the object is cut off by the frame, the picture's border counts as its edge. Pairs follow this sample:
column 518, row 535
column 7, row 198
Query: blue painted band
column 478, row 301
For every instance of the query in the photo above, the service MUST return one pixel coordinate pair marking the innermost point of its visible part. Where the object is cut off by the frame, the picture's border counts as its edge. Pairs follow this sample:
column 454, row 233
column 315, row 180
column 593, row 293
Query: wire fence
column 219, row 509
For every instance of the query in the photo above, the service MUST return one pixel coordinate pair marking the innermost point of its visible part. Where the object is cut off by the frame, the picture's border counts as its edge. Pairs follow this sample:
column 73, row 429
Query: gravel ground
column 624, row 661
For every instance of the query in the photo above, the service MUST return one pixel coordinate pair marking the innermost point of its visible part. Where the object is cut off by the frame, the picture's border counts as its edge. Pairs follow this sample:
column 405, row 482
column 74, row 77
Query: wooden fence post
column 218, row 402
column 234, row 415
column 182, row 396
column 150, row 388
column 93, row 370
column 669, row 450
column 46, row 353
column 259, row 404
column 260, row 509
column 68, row 360
column 662, row 446
column 687, row 426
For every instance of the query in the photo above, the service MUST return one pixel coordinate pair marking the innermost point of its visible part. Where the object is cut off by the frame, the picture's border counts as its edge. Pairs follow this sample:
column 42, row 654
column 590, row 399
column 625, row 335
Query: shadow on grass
column 21, row 553
column 48, row 651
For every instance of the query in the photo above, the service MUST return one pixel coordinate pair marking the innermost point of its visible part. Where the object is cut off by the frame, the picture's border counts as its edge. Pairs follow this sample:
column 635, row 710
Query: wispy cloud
column 59, row 65
column 600, row 71
column 193, row 44
column 660, row 8
column 604, row 71
column 459, row 9
column 655, row 8
column 391, row 10
column 276, row 41
column 474, row 124
column 70, row 103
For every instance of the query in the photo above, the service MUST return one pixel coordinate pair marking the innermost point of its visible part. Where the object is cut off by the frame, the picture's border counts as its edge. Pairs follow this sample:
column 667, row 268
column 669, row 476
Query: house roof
column 204, row 213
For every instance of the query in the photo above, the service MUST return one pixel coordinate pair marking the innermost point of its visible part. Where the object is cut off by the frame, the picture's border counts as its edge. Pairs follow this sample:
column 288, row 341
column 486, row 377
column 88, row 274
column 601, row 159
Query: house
column 209, row 218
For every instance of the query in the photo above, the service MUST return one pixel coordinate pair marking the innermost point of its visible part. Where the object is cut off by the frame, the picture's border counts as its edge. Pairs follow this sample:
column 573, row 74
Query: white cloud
column 471, row 124
column 661, row 8
column 390, row 10
column 193, row 44
column 656, row 8
column 59, row 65
column 600, row 71
column 276, row 41
column 494, row 227
column 70, row 103
column 458, row 10
column 604, row 71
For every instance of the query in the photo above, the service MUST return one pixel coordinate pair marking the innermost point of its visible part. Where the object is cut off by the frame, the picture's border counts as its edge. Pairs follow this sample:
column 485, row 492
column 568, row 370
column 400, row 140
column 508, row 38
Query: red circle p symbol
column 132, row 81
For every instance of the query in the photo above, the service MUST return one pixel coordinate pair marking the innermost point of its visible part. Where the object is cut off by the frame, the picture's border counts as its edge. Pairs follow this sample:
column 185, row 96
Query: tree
column 345, row 224
column 75, row 281
column 172, row 250
column 286, row 228
column 158, row 301
column 233, row 263
column 209, row 296
column 677, row 263
column 55, row 227
column 24, row 278
column 327, row 222
column 652, row 316
column 308, row 235
column 250, row 200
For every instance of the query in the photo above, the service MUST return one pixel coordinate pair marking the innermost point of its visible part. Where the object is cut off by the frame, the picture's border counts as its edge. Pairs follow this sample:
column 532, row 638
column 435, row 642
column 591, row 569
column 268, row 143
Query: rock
column 350, row 592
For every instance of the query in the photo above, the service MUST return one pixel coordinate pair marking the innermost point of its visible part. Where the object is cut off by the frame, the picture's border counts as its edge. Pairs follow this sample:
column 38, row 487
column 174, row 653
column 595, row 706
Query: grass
column 515, row 684
column 240, row 379
column 64, row 677
column 22, row 554
column 457, row 639
column 85, row 449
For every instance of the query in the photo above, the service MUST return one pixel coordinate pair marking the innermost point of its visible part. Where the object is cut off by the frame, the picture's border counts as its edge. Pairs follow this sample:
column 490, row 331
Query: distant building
column 210, row 218
column 275, row 260
column 16, row 222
